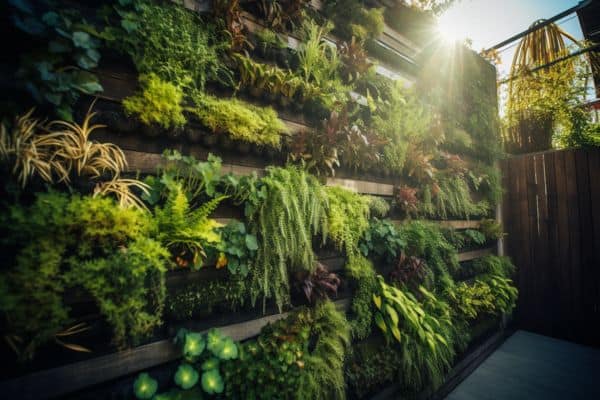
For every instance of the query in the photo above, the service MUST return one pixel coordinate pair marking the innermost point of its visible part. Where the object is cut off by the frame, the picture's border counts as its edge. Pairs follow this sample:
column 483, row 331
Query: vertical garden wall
column 244, row 199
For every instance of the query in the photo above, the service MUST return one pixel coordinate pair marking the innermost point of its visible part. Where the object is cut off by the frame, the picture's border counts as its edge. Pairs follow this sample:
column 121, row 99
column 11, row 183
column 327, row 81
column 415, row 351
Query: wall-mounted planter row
column 70, row 378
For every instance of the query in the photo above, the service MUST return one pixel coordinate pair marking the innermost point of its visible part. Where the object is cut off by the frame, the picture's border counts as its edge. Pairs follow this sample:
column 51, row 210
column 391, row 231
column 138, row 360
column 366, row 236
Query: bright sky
column 488, row 22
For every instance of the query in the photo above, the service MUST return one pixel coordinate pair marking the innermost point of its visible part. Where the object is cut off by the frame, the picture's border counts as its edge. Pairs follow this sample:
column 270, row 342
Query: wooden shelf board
column 70, row 378
column 471, row 255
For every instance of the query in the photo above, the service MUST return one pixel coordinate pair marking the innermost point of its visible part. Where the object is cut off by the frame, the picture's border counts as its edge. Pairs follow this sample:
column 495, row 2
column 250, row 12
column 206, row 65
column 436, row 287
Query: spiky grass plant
column 55, row 151
column 31, row 152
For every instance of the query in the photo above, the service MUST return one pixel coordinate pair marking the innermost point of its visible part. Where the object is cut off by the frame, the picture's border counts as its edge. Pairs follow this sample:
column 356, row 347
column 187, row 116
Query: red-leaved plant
column 320, row 284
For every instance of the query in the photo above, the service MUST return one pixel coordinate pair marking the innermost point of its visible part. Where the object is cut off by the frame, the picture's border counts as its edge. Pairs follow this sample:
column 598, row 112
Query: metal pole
column 541, row 25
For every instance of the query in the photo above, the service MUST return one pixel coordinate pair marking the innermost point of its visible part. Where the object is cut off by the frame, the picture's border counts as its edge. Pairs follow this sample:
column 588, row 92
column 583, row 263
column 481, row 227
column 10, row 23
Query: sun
column 450, row 27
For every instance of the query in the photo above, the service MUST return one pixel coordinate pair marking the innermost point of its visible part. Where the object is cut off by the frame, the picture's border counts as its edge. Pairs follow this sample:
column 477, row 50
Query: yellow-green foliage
column 348, row 218
column 61, row 242
column 423, row 329
column 471, row 300
column 159, row 102
column 182, row 229
column 242, row 121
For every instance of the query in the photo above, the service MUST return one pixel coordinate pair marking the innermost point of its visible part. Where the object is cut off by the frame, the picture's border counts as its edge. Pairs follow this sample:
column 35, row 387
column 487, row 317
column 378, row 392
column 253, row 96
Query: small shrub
column 159, row 102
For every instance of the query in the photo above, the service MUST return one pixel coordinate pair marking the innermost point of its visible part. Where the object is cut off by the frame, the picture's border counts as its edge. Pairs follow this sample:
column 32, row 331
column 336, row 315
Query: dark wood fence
column 551, row 212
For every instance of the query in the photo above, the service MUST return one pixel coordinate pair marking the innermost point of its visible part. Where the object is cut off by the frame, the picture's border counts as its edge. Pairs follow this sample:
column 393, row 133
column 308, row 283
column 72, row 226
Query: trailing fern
column 285, row 210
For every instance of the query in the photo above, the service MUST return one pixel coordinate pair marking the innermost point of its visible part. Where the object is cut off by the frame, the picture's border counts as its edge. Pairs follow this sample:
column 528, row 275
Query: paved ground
column 530, row 366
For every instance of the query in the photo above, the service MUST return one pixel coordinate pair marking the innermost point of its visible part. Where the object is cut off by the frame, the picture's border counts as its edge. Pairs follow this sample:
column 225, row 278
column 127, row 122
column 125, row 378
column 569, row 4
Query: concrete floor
column 530, row 366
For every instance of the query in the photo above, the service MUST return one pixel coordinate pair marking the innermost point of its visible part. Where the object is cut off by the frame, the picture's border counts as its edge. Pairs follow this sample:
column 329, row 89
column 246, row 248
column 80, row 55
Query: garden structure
column 250, row 200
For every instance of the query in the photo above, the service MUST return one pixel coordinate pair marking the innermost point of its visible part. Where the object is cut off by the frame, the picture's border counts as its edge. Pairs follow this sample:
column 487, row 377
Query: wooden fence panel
column 554, row 239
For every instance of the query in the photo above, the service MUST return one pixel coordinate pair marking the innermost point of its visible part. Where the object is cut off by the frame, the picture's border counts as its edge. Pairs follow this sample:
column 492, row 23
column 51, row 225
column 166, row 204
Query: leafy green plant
column 323, row 377
column 271, row 365
column 378, row 207
column 159, row 102
column 427, row 241
column 203, row 355
column 199, row 180
column 348, row 218
column 469, row 301
column 57, row 70
column 348, row 221
column 285, row 209
column 423, row 329
column 353, row 19
column 372, row 365
column 362, row 276
column 404, row 120
column 504, row 292
column 144, row 387
column 196, row 299
column 237, row 248
column 319, row 62
column 86, row 242
column 452, row 199
column 186, row 57
column 491, row 229
column 241, row 120
column 300, row 357
column 491, row 264
column 186, row 232
column 474, row 236
column 382, row 241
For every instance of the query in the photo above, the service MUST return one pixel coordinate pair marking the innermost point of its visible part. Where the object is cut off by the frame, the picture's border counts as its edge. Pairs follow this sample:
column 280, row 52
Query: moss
column 159, row 102
column 241, row 120
column 79, row 242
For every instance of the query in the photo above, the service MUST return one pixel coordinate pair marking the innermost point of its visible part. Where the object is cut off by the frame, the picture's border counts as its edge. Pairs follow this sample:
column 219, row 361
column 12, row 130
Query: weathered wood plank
column 73, row 377
column 454, row 224
column 365, row 187
column 471, row 255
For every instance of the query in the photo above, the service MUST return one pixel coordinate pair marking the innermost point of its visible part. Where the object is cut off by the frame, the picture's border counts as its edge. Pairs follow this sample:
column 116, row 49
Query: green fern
column 323, row 375
column 285, row 210
column 184, row 231
column 453, row 199
column 426, row 240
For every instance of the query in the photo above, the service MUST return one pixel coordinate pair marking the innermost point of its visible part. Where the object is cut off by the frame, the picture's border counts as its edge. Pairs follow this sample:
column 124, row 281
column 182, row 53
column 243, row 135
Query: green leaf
column 251, row 243
column 380, row 322
column 81, row 39
column 395, row 332
column 212, row 382
column 214, row 341
column 129, row 25
column 186, row 376
column 193, row 345
column 229, row 350
column 392, row 314
column 377, row 300
column 51, row 19
column 86, row 82
column 144, row 387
